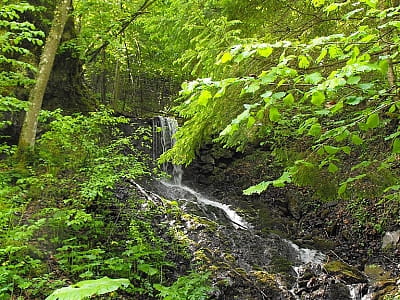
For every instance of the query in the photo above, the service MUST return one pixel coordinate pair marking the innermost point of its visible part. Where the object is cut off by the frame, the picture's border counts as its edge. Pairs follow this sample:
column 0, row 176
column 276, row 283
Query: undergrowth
column 70, row 216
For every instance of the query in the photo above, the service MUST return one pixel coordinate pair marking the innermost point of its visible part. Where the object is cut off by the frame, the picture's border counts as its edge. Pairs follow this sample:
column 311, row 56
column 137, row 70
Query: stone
column 207, row 159
column 390, row 239
column 337, row 291
column 293, row 204
column 345, row 272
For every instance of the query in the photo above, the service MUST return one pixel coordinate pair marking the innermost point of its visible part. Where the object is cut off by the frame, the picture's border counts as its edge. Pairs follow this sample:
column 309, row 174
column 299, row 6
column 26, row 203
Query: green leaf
column 371, row 3
column 226, row 57
column 288, row 100
column 332, row 7
column 313, row 78
column 148, row 269
column 315, row 130
column 252, row 88
column 267, row 94
column 332, row 168
column 303, row 62
column 342, row 136
column 363, row 164
column 274, row 114
column 278, row 95
column 286, row 177
column 353, row 80
column 372, row 121
column 260, row 114
column 204, row 97
column 396, row 146
column 356, row 140
column 321, row 151
column 318, row 98
column 354, row 100
column 346, row 149
column 331, row 149
column 392, row 108
column 243, row 55
column 251, row 121
column 265, row 52
column 342, row 189
column 322, row 55
column 383, row 66
column 258, row 188
column 335, row 51
column 88, row 288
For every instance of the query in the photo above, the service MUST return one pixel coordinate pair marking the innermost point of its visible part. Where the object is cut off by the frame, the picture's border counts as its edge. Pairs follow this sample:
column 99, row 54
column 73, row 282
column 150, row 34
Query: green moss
column 342, row 269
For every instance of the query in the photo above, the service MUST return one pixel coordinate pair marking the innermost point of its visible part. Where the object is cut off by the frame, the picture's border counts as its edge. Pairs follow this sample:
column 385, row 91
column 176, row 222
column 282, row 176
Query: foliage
column 61, row 220
column 193, row 286
column 88, row 288
column 334, row 93
column 15, row 35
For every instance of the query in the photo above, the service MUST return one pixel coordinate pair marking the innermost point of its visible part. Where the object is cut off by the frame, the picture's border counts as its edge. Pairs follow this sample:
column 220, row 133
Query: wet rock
column 376, row 273
column 293, row 204
column 382, row 288
column 344, row 272
column 207, row 159
column 337, row 291
column 390, row 239
column 206, row 168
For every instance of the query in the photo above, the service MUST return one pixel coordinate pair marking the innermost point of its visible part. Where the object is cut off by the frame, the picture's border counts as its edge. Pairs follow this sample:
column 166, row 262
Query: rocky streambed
column 360, row 261
column 282, row 244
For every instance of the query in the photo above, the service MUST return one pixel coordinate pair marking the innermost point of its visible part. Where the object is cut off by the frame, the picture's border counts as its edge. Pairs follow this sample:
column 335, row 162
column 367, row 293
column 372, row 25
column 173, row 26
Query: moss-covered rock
column 345, row 272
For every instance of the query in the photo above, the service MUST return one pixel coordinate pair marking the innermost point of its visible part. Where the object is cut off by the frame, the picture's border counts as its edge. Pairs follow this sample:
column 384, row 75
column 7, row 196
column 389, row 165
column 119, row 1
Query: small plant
column 194, row 286
column 88, row 288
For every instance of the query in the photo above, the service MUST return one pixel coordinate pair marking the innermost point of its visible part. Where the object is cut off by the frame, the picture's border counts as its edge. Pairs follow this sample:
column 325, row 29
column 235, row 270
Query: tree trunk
column 29, row 127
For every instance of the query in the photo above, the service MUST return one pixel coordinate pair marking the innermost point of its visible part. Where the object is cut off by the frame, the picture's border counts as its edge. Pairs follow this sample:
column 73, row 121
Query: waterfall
column 164, row 129
column 311, row 282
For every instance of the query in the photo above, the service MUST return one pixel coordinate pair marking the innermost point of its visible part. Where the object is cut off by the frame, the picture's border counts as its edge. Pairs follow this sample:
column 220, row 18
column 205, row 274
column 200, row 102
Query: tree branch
column 124, row 25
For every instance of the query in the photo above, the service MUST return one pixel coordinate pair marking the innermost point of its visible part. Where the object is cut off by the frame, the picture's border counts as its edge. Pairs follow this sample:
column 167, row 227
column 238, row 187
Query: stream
column 304, row 276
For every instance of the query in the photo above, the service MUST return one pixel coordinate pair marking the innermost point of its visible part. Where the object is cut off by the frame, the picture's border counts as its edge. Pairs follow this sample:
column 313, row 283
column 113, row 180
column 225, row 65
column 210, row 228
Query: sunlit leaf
column 204, row 97
column 274, row 114
column 226, row 57
column 353, row 80
column 318, row 98
column 251, row 121
column 88, row 288
column 303, row 62
column 313, row 78
column 354, row 100
column 265, row 52
column 322, row 55
column 288, row 100
column 257, row 189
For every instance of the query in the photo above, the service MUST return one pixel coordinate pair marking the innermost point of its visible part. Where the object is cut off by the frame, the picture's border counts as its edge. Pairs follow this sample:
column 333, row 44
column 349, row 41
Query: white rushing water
column 307, row 256
column 236, row 220
column 164, row 129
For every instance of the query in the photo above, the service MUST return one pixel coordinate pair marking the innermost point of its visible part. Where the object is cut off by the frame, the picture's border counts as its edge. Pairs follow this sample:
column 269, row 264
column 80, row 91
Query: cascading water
column 164, row 129
column 259, row 250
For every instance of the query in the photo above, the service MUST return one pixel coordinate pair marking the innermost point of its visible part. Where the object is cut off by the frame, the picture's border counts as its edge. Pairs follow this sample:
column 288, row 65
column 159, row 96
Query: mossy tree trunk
column 29, row 127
